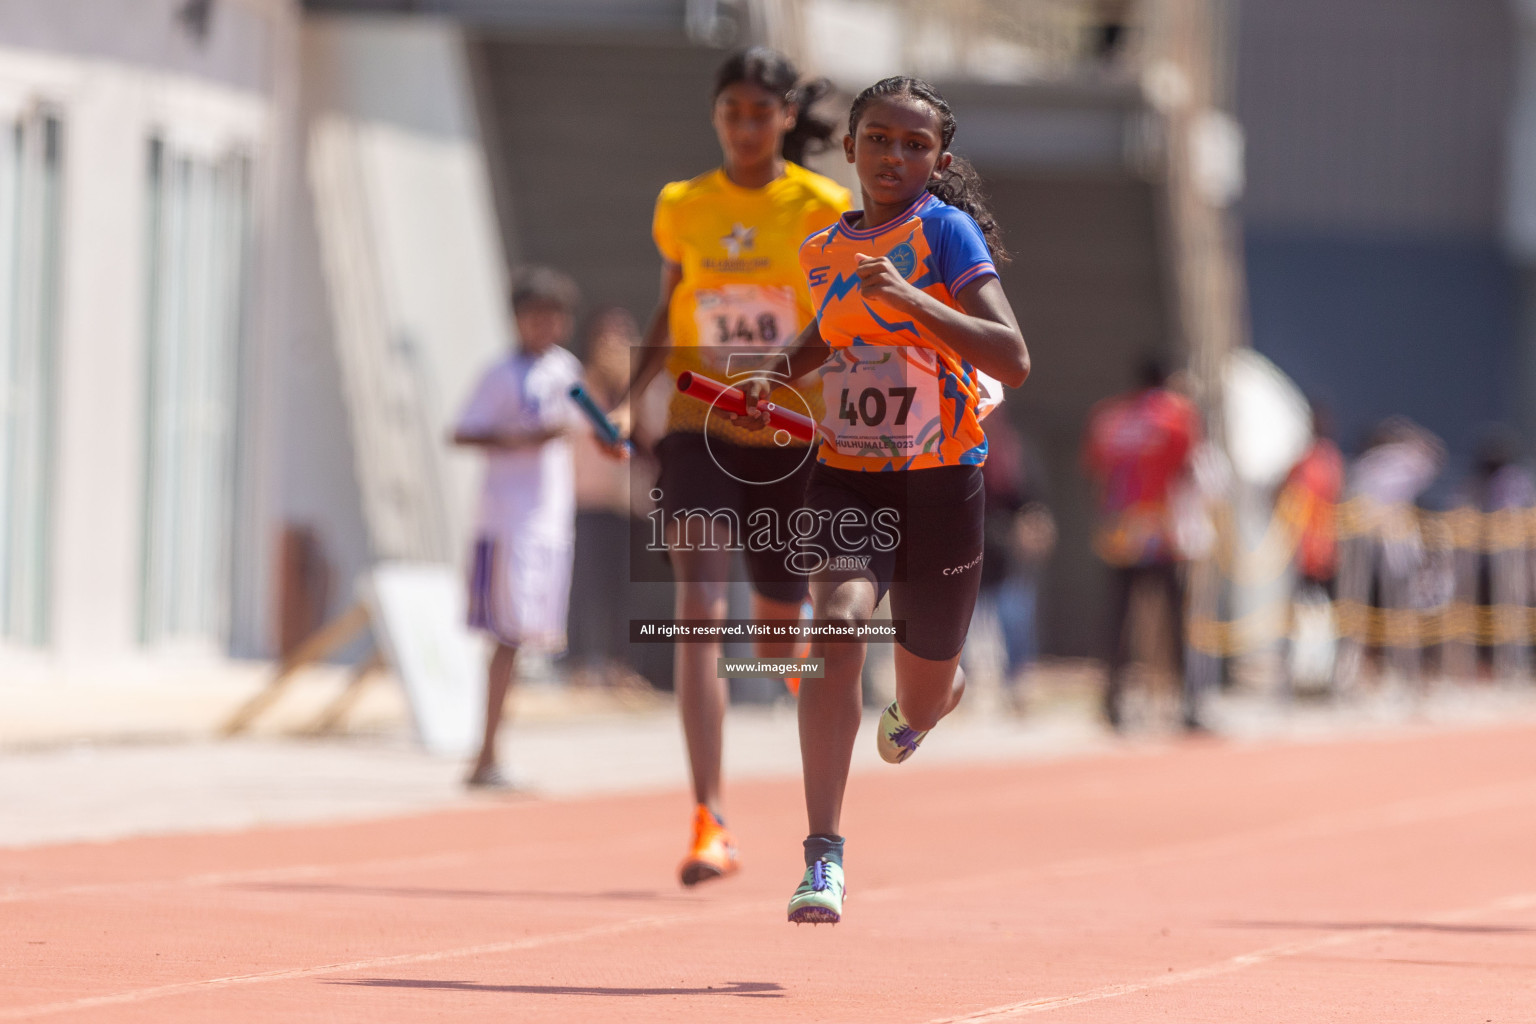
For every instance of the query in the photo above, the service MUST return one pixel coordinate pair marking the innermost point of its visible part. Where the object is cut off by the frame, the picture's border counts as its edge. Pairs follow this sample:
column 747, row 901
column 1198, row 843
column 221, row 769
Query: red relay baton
column 733, row 400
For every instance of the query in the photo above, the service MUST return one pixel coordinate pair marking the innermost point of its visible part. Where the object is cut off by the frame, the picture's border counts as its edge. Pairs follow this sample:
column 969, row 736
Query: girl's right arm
column 509, row 440
column 806, row 354
column 655, row 343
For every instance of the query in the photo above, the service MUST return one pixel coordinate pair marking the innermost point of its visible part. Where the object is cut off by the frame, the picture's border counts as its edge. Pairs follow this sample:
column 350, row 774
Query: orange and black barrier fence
column 1426, row 568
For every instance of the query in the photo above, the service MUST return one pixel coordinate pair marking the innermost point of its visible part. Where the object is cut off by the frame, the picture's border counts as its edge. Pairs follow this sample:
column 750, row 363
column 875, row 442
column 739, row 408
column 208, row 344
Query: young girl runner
column 730, row 280
column 911, row 323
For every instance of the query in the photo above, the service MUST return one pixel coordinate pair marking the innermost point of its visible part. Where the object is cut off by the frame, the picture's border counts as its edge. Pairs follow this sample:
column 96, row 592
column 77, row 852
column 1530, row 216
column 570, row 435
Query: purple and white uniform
column 520, row 579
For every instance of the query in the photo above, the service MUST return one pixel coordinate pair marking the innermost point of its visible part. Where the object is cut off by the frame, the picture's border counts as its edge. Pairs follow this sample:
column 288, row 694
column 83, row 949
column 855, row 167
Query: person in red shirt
column 1137, row 450
column 1311, row 495
column 1307, row 502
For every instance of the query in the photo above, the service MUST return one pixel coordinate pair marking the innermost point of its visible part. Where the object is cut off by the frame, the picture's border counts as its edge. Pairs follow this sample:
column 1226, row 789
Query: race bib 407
column 882, row 401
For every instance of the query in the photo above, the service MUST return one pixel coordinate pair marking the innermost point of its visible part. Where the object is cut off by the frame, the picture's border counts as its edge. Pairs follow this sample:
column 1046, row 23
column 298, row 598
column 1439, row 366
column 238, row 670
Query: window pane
column 31, row 158
column 197, row 269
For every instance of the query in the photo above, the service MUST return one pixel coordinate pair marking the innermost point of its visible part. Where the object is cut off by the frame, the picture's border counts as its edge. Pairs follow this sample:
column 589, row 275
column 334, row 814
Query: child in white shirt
column 521, row 416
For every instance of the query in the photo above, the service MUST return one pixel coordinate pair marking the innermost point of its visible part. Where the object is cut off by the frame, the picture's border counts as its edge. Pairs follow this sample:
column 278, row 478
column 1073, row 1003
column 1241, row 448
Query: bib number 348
column 745, row 315
column 742, row 330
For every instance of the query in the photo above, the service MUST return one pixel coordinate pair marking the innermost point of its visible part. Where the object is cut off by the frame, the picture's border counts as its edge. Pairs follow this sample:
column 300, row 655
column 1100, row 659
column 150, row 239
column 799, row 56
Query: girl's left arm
column 983, row 331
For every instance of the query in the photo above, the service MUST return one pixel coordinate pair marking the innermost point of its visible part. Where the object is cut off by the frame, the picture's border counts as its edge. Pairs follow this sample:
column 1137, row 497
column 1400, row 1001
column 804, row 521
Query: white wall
column 119, row 73
column 399, row 91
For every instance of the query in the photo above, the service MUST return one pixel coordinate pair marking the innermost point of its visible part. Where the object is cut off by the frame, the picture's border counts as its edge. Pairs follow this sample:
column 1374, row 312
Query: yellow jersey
column 742, row 289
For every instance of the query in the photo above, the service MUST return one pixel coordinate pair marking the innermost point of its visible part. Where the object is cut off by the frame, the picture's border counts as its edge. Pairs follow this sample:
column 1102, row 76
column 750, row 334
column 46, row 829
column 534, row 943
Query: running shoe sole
column 697, row 871
column 712, row 854
column 819, row 897
column 814, row 915
column 894, row 738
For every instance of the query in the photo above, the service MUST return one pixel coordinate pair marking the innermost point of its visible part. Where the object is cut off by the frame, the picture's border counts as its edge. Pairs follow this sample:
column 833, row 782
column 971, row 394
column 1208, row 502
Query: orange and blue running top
column 896, row 396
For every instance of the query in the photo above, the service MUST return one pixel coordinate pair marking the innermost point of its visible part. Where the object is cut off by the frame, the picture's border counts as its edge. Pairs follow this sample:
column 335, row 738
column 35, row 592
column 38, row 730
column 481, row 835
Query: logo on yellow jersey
column 741, row 239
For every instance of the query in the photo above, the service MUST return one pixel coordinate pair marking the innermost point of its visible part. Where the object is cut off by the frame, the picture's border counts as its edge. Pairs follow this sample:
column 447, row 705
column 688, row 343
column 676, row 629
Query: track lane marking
column 1231, row 965
column 208, row 879
column 1412, row 811
column 484, row 949
column 216, row 878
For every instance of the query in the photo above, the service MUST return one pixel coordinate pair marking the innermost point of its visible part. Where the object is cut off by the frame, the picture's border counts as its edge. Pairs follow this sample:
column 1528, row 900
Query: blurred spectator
column 1020, row 535
column 1498, row 482
column 1382, row 555
column 1315, row 485
column 599, row 652
column 1309, row 498
column 1493, row 562
column 1137, row 449
column 1110, row 30
column 521, row 418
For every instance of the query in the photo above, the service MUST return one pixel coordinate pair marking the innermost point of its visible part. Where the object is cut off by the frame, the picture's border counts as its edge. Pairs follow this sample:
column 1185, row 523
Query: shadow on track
column 1394, row 926
column 1481, row 965
column 747, row 989
column 418, row 892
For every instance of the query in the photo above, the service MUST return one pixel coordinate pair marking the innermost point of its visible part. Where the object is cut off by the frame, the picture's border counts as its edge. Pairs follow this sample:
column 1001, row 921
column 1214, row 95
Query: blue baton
column 599, row 420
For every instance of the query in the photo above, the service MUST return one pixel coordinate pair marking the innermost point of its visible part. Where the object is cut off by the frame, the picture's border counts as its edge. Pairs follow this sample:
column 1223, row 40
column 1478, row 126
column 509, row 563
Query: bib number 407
column 872, row 406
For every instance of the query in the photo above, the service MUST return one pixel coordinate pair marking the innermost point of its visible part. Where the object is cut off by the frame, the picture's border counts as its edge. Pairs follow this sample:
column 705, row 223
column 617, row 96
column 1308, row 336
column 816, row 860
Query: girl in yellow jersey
column 732, row 291
column 912, row 333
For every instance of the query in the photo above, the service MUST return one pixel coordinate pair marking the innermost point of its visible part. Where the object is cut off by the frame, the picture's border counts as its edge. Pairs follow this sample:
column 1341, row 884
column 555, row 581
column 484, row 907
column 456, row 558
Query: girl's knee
column 701, row 600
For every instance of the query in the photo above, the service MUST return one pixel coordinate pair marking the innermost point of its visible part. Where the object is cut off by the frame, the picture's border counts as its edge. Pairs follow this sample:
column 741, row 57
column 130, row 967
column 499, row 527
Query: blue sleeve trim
column 980, row 270
column 958, row 246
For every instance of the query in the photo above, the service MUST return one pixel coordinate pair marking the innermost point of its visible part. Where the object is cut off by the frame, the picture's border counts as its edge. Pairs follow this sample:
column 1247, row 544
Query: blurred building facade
column 1069, row 108
column 252, row 252
column 248, row 265
column 137, row 149
column 1383, row 190
column 262, row 248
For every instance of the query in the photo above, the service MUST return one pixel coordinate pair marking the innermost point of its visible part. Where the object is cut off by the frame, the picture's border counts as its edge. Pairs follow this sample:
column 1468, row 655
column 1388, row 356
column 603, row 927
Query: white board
column 418, row 613
column 1269, row 423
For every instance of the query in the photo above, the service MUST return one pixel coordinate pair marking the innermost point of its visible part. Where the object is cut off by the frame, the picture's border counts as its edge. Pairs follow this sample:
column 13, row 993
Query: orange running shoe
column 802, row 649
column 713, row 854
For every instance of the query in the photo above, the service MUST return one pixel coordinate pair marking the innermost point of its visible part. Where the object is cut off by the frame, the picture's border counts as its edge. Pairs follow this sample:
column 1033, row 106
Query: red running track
column 1388, row 879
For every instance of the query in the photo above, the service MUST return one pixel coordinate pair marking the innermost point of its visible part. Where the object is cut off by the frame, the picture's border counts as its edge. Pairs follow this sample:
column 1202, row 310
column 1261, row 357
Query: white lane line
column 1411, row 811
column 209, row 879
column 485, row 949
column 1414, row 811
column 217, row 878
column 1029, row 1007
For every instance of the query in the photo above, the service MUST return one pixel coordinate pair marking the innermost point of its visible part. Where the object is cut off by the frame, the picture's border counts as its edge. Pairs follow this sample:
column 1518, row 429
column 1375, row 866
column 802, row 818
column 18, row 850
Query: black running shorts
column 708, row 477
column 919, row 533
